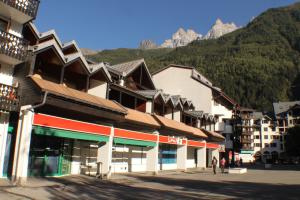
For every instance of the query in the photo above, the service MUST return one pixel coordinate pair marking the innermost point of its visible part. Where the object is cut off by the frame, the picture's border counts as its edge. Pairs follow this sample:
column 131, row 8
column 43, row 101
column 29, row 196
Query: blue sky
column 108, row 24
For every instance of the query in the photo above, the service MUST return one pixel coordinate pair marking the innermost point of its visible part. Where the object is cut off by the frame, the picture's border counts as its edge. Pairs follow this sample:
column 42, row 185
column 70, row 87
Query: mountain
column 147, row 44
column 181, row 38
column 219, row 29
column 88, row 52
column 256, row 65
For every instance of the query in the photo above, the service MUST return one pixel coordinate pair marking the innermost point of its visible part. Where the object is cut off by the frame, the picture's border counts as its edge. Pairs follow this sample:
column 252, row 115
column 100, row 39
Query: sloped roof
column 58, row 46
column 179, row 126
column 213, row 135
column 195, row 113
column 125, row 68
column 138, row 117
column 281, row 107
column 149, row 93
column 60, row 90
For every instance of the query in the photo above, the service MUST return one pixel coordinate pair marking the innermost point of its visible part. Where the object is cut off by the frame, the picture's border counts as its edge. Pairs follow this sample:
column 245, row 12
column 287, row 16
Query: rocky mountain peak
column 219, row 29
column 181, row 38
column 147, row 44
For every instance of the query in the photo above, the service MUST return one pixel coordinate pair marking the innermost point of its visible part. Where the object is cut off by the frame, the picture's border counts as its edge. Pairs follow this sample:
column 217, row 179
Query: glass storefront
column 50, row 156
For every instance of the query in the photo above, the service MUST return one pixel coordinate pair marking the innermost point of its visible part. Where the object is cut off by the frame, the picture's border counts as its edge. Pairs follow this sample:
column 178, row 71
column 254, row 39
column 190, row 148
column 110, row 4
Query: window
column 291, row 121
column 266, row 129
column 265, row 121
column 266, row 137
column 273, row 145
column 256, row 136
column 3, row 25
column 266, row 145
column 281, row 146
column 257, row 144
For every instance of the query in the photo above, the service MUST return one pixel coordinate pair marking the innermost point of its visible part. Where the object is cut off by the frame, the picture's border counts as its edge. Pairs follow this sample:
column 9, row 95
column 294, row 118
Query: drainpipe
column 40, row 104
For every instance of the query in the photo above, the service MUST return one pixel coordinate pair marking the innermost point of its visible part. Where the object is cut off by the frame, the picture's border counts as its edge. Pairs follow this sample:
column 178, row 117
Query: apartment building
column 13, row 51
column 261, row 138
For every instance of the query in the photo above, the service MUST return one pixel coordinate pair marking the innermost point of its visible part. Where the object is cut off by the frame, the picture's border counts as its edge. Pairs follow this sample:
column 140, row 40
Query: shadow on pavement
column 80, row 187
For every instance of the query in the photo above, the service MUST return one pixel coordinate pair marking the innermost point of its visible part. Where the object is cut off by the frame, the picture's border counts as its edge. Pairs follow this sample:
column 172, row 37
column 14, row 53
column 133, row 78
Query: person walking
column 214, row 164
column 222, row 163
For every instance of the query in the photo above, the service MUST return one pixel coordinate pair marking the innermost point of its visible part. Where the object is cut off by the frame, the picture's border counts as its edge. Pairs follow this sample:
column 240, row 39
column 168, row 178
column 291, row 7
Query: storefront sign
column 172, row 140
column 194, row 143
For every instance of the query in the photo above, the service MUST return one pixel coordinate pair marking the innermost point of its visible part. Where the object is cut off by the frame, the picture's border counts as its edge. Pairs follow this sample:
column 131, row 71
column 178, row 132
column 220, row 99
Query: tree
column 293, row 141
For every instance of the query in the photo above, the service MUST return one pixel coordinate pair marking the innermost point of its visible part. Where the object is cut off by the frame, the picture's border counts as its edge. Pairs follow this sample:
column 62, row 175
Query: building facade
column 13, row 51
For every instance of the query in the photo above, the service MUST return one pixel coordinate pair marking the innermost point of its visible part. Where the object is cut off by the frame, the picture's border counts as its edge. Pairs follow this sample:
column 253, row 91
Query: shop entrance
column 50, row 156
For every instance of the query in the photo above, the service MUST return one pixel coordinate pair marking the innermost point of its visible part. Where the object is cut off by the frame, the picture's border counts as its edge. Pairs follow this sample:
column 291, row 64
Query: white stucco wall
column 178, row 81
column 16, row 28
column 6, row 72
column 98, row 88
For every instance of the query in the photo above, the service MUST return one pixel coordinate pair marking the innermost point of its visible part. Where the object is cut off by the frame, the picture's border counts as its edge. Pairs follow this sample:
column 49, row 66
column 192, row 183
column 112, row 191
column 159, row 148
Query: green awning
column 10, row 129
column 134, row 142
column 39, row 130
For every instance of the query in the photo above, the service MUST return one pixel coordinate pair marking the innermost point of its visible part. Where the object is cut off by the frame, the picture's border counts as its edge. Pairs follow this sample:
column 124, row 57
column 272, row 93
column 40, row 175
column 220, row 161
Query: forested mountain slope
column 256, row 65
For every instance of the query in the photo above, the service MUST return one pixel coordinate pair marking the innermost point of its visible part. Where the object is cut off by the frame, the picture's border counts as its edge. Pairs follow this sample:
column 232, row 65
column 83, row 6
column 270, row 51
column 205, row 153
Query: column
column 152, row 158
column 201, row 157
column 104, row 156
column 22, row 146
column 4, row 120
column 215, row 153
column 181, row 157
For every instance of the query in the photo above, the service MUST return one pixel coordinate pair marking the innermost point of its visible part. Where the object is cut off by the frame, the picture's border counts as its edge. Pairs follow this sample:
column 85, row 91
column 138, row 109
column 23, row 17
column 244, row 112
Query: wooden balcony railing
column 246, row 140
column 28, row 7
column 13, row 46
column 9, row 99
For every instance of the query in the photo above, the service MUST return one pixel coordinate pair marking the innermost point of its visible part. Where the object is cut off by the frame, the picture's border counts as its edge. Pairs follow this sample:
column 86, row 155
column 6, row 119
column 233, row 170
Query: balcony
column 247, row 133
column 246, row 140
column 13, row 49
column 21, row 11
column 9, row 99
column 247, row 149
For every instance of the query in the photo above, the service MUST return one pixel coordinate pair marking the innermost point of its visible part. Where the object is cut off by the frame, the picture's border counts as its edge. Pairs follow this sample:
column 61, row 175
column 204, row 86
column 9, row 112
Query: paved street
column 256, row 184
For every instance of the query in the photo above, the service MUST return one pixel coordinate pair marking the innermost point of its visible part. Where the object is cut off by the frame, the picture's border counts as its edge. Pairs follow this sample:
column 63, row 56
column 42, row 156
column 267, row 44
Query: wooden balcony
column 9, row 99
column 246, row 140
column 13, row 49
column 21, row 8
column 247, row 148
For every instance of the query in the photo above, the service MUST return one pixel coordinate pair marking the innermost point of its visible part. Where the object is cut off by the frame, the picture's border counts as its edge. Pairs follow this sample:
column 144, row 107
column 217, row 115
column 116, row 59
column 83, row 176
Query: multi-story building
column 268, row 140
column 261, row 139
column 213, row 110
column 13, row 51
column 76, row 115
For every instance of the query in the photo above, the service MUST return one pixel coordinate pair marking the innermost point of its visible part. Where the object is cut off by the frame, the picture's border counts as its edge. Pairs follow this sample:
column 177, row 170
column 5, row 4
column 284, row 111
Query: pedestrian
column 214, row 164
column 241, row 162
column 222, row 163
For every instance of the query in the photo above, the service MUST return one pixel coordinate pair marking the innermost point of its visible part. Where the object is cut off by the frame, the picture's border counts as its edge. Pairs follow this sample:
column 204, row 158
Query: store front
column 62, row 146
column 130, row 148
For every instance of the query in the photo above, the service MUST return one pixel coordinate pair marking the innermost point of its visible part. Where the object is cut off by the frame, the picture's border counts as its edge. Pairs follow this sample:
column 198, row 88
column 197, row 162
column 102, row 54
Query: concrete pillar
column 104, row 156
column 201, row 157
column 22, row 146
column 149, row 106
column 152, row 159
column 209, row 157
column 181, row 157
column 215, row 153
column 4, row 121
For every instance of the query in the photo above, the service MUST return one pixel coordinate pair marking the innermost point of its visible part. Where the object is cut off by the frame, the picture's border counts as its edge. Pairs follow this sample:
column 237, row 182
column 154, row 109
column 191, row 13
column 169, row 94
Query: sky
column 110, row 24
